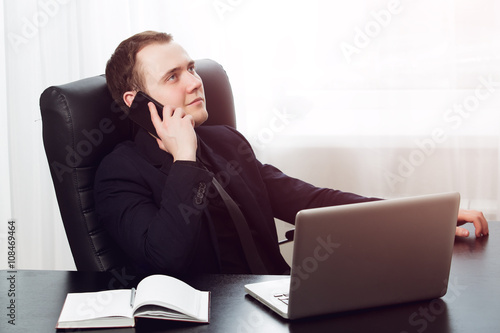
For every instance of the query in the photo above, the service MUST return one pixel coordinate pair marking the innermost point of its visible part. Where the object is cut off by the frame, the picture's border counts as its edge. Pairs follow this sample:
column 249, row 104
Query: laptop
column 365, row 255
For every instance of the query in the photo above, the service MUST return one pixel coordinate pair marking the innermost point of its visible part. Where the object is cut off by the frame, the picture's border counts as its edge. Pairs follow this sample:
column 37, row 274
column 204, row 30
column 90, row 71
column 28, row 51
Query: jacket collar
column 148, row 148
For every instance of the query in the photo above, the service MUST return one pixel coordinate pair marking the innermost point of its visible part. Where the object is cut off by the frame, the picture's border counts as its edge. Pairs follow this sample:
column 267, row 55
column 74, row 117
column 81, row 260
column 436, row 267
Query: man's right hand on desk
column 476, row 218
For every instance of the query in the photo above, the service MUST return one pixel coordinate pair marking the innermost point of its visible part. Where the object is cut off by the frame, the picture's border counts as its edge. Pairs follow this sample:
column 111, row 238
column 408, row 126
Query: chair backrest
column 81, row 125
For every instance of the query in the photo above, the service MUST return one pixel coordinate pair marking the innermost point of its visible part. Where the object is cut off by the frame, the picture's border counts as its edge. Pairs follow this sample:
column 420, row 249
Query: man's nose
column 193, row 82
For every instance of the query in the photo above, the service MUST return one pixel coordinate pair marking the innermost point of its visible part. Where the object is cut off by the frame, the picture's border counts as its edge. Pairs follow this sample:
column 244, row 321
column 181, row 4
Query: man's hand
column 176, row 132
column 474, row 217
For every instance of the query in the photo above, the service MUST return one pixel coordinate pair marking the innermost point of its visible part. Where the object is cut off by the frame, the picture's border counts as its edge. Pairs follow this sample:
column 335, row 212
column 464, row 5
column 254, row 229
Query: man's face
column 169, row 76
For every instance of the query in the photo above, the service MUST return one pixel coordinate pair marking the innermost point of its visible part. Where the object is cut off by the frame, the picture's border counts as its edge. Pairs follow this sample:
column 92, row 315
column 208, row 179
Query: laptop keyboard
column 282, row 297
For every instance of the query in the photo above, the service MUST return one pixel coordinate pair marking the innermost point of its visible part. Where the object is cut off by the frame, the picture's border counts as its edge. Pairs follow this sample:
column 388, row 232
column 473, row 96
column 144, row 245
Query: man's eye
column 192, row 69
column 172, row 77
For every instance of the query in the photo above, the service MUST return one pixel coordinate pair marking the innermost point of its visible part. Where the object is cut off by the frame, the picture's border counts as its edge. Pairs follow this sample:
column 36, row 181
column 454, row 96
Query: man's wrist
column 191, row 156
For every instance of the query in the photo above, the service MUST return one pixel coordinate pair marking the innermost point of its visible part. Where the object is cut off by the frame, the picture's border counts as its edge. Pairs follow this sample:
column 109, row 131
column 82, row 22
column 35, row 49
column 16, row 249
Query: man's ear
column 128, row 97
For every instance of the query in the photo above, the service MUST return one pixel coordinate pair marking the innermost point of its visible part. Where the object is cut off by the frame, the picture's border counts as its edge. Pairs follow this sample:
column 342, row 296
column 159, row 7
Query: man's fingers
column 181, row 113
column 168, row 112
column 481, row 225
column 190, row 117
column 461, row 232
column 155, row 117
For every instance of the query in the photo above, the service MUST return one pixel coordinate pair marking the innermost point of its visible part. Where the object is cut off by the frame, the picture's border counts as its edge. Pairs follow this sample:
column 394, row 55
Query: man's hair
column 122, row 74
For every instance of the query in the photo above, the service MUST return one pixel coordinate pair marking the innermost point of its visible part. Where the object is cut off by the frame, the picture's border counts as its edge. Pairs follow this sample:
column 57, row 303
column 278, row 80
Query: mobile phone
column 139, row 111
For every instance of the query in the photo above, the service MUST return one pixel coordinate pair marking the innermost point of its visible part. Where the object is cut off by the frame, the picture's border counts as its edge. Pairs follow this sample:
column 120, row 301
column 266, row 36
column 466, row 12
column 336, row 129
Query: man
column 156, row 196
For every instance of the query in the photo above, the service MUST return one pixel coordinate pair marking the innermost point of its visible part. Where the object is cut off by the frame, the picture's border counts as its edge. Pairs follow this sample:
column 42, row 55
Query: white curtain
column 379, row 97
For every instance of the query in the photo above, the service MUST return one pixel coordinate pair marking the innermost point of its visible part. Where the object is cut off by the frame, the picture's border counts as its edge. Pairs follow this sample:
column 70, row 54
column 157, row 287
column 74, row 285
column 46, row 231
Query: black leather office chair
column 81, row 125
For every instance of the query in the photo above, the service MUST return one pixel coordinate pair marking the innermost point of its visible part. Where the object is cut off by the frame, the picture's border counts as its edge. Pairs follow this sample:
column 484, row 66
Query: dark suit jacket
column 157, row 210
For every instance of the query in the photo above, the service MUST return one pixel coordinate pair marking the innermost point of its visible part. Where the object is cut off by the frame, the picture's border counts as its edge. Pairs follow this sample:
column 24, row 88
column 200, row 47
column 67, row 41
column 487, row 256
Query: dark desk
column 472, row 303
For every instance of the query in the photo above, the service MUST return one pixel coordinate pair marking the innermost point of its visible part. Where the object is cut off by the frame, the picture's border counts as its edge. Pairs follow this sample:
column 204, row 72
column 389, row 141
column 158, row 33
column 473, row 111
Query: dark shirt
column 232, row 258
